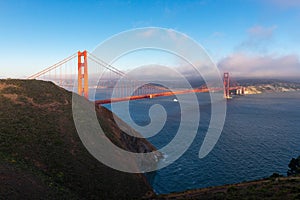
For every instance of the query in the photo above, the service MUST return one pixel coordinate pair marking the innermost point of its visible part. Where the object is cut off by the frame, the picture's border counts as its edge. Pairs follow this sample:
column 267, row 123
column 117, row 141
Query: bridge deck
column 149, row 96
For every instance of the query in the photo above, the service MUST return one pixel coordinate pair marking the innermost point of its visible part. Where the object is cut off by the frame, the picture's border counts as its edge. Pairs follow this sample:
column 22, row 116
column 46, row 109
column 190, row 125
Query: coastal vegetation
column 294, row 166
column 269, row 188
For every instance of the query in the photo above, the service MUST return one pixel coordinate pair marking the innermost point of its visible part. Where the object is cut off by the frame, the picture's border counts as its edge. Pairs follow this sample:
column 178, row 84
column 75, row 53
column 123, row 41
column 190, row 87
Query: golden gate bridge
column 75, row 69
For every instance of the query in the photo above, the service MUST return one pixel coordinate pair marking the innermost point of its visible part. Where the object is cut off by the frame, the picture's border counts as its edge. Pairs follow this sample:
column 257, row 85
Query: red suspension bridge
column 80, row 67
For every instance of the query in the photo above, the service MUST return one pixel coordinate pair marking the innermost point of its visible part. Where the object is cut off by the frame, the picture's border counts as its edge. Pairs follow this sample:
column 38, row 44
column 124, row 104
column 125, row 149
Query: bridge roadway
column 150, row 96
column 161, row 94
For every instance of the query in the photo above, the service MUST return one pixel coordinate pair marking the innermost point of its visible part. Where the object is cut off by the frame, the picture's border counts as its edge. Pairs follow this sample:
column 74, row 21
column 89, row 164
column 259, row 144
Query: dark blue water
column 260, row 136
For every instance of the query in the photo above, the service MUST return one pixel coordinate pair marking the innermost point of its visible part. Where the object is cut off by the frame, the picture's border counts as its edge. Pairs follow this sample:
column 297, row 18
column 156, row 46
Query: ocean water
column 260, row 136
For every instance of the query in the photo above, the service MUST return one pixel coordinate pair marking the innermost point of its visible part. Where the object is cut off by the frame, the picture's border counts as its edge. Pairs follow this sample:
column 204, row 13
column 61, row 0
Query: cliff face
column 42, row 156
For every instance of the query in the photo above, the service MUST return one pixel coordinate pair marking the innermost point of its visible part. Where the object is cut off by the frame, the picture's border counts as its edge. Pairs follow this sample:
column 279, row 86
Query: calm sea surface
column 260, row 136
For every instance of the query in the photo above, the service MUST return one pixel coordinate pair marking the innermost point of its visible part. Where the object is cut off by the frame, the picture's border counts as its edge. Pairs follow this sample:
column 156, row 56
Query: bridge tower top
column 83, row 87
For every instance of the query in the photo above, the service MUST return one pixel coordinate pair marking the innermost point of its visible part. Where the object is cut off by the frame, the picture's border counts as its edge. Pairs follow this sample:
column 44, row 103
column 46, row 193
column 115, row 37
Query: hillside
column 275, row 188
column 41, row 155
column 257, row 86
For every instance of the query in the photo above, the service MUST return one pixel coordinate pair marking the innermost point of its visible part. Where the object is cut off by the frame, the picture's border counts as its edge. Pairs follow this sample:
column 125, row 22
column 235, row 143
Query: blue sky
column 246, row 37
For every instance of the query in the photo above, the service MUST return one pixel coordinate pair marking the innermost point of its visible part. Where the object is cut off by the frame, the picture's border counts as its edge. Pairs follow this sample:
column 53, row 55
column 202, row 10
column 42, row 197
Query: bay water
column 260, row 136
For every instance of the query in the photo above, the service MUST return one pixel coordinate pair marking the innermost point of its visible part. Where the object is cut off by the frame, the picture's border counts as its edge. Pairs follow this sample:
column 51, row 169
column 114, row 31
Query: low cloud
column 244, row 65
column 261, row 32
column 258, row 39
column 254, row 57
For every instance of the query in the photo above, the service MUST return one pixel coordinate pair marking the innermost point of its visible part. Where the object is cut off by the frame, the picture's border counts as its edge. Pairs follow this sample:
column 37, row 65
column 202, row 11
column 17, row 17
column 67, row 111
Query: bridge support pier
column 83, row 87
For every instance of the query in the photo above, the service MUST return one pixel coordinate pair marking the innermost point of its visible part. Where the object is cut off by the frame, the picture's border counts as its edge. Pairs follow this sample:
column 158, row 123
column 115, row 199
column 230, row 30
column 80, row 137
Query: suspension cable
column 52, row 67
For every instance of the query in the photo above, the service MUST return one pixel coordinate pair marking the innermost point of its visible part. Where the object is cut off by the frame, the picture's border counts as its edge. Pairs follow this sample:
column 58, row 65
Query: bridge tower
column 226, row 85
column 83, row 87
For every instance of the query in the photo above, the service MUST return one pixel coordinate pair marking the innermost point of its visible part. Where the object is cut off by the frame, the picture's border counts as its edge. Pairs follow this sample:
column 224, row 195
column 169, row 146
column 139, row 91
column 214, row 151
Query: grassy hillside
column 271, row 188
column 41, row 155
